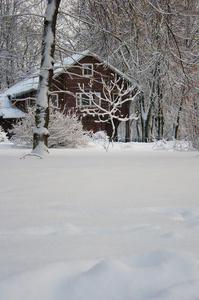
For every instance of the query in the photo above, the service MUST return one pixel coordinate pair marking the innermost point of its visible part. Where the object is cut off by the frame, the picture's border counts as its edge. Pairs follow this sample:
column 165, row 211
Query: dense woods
column 154, row 42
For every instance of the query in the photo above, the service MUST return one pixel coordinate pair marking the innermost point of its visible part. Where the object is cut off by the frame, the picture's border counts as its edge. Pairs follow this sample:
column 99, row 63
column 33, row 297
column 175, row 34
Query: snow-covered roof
column 8, row 110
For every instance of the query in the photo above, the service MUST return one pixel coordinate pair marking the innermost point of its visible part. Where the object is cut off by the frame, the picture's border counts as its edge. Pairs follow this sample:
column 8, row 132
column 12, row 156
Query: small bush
column 3, row 137
column 100, row 136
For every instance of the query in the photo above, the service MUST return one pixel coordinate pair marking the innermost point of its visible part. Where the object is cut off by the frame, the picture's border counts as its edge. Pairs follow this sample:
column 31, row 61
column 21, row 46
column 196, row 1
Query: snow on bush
column 175, row 145
column 101, row 138
column 3, row 137
column 65, row 130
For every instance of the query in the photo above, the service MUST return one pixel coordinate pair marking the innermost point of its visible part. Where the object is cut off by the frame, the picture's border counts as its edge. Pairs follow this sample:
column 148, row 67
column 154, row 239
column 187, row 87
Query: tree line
column 154, row 42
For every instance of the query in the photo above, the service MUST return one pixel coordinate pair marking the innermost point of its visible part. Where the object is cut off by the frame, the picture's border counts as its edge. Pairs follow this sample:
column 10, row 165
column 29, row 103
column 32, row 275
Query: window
column 87, row 70
column 54, row 100
column 84, row 100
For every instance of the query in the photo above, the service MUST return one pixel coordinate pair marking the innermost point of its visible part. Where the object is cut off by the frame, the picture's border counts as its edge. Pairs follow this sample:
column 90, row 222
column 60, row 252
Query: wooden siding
column 66, row 86
column 69, row 81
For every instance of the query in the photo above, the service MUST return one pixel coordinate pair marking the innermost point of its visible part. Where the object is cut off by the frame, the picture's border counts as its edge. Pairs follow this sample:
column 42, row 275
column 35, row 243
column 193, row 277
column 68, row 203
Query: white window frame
column 57, row 99
column 82, row 97
column 87, row 70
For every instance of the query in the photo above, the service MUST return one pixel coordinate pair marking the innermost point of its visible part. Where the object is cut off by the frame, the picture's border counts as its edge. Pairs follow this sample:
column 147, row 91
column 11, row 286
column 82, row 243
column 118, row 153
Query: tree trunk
column 40, row 135
column 160, row 117
column 145, row 118
column 177, row 120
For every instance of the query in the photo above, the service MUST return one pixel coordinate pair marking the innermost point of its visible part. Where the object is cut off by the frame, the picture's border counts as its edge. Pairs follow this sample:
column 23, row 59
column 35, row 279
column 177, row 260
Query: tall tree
column 155, row 42
column 40, row 136
column 20, row 39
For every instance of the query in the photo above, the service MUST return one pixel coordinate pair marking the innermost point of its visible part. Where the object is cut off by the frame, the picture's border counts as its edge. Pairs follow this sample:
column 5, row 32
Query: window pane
column 85, row 100
column 78, row 100
column 54, row 100
column 88, row 70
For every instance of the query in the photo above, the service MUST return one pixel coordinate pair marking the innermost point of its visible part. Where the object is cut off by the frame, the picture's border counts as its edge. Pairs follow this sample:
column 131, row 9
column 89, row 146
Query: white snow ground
column 84, row 224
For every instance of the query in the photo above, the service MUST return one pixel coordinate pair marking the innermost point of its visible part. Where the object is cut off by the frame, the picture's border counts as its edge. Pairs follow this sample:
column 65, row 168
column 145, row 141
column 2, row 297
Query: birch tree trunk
column 40, row 135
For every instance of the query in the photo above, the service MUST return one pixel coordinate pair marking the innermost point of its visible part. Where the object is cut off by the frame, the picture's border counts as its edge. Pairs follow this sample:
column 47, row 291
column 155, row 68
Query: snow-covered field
column 86, row 224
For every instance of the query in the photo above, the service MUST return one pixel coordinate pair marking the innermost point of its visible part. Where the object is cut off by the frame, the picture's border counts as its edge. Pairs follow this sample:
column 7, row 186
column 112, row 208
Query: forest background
column 154, row 42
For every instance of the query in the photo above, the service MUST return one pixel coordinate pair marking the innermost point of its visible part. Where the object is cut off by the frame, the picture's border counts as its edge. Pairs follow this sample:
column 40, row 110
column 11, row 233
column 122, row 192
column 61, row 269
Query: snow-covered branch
column 109, row 108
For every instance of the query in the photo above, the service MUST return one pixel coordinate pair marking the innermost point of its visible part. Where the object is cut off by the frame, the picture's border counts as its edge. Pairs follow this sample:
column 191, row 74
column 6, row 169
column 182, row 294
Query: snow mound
column 161, row 274
column 61, row 228
column 189, row 290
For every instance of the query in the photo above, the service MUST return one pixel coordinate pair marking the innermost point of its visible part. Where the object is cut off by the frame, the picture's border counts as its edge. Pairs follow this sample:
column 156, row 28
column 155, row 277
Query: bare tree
column 191, row 120
column 20, row 39
column 108, row 107
column 155, row 42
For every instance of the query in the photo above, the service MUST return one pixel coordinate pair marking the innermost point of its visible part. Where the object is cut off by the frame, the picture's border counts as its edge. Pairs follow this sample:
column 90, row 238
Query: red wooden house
column 74, row 79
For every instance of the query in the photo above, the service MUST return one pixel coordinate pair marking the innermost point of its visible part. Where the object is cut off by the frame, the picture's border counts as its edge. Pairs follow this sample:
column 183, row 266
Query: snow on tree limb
column 109, row 110
column 40, row 136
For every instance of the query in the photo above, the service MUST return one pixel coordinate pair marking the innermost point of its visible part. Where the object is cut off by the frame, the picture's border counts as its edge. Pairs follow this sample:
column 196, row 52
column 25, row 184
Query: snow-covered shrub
column 3, row 137
column 174, row 145
column 181, row 145
column 65, row 130
column 22, row 131
column 101, row 138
